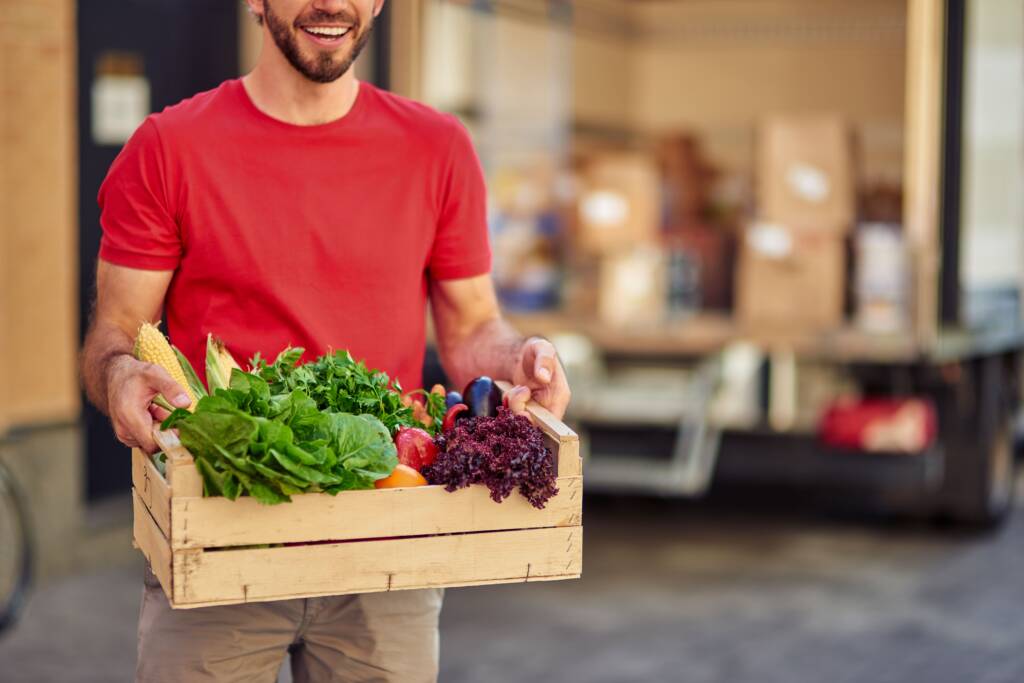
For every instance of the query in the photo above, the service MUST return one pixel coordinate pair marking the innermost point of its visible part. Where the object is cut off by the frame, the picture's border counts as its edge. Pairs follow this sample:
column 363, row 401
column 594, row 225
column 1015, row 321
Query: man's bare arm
column 473, row 339
column 115, row 382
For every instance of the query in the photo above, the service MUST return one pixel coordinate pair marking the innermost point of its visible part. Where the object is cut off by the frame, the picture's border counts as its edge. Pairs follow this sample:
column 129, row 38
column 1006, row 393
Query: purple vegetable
column 502, row 452
column 482, row 396
column 452, row 398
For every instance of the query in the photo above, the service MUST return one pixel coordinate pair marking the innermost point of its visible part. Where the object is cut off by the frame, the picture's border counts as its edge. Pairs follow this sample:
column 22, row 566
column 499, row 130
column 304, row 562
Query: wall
column 602, row 66
column 717, row 67
column 40, row 440
column 993, row 146
column 38, row 225
column 508, row 75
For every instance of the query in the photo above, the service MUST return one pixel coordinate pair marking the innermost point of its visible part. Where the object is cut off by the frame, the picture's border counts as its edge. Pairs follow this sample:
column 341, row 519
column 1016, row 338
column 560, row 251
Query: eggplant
column 482, row 396
column 451, row 398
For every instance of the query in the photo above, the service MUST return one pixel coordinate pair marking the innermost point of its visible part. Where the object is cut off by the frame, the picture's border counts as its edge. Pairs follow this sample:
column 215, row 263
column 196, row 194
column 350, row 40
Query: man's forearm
column 491, row 348
column 104, row 345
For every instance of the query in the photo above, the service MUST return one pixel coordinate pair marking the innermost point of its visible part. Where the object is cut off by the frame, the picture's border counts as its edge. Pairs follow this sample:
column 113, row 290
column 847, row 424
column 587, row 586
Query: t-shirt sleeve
column 136, row 214
column 461, row 248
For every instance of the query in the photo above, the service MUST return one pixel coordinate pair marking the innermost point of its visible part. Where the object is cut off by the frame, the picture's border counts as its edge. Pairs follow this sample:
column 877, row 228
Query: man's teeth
column 330, row 31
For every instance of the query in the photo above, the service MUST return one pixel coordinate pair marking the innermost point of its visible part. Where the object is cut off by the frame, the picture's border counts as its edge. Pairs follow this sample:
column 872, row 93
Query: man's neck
column 281, row 92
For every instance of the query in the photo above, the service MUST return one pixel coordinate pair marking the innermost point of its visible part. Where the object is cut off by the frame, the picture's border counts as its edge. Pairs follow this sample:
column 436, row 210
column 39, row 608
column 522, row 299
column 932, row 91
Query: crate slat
column 152, row 489
column 570, row 464
column 152, row 543
column 182, row 475
column 415, row 511
column 234, row 576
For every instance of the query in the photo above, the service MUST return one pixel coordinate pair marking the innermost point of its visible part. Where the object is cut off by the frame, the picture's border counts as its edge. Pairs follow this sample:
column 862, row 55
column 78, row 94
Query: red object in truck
column 892, row 425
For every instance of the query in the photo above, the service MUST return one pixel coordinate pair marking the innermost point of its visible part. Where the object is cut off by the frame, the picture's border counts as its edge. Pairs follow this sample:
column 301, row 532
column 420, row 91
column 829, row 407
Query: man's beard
column 322, row 68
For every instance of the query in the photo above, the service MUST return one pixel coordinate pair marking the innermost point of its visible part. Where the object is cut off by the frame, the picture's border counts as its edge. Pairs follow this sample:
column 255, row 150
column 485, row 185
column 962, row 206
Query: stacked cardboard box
column 792, row 268
column 619, row 229
column 620, row 203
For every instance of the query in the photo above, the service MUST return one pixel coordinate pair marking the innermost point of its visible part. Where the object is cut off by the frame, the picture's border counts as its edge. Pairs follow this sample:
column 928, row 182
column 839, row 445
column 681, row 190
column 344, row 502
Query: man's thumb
column 171, row 390
column 544, row 361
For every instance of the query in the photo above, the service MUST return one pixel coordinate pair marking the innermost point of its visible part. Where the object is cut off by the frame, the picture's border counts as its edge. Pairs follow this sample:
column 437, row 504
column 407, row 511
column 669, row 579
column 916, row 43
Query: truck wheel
column 980, row 471
column 1001, row 482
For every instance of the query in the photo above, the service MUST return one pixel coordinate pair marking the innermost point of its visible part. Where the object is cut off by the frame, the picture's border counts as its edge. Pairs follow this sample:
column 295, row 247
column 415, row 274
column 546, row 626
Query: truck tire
column 979, row 480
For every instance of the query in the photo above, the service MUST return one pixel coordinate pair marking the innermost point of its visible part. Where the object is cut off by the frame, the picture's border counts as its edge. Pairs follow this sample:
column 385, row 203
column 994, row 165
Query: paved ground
column 722, row 591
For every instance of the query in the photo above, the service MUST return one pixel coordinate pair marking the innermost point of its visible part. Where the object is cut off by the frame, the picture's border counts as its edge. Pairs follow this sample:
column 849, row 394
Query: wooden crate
column 381, row 540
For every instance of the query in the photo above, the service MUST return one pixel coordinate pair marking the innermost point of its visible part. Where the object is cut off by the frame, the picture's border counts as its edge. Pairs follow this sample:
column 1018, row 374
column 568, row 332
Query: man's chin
column 321, row 68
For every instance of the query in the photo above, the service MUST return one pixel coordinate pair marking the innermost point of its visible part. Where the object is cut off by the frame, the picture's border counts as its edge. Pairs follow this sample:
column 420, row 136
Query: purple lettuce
column 503, row 453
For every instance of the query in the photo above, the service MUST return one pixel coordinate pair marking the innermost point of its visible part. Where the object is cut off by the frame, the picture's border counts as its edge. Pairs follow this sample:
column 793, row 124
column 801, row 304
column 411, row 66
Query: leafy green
column 338, row 383
column 267, row 438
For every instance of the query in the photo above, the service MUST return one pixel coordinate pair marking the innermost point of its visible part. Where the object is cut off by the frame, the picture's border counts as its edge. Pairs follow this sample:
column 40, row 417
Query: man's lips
column 329, row 36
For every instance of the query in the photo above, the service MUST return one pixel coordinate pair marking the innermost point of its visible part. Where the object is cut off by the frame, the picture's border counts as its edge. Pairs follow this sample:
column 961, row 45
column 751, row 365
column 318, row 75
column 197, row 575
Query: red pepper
column 452, row 415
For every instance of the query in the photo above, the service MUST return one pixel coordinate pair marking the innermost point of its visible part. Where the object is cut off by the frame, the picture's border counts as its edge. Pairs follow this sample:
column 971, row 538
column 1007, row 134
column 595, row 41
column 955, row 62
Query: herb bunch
column 338, row 383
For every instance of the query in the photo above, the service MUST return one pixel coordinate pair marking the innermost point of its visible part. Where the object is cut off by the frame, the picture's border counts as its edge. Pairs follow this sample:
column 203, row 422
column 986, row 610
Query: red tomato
column 415, row 448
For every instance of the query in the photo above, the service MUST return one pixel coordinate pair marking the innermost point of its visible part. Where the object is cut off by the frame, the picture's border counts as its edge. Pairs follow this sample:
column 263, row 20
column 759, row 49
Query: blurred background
column 778, row 243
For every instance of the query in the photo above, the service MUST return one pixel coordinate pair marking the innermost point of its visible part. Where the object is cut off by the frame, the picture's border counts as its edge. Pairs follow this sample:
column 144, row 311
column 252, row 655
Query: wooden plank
column 548, row 423
column 39, row 214
column 152, row 489
column 235, row 576
column 406, row 54
column 923, row 118
column 152, row 543
column 182, row 475
column 415, row 511
column 463, row 584
column 570, row 464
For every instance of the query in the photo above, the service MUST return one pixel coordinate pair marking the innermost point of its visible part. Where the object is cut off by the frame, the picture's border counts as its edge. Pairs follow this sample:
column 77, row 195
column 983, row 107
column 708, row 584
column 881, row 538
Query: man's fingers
column 138, row 431
column 516, row 398
column 159, row 414
column 142, row 431
column 163, row 383
column 555, row 396
column 541, row 360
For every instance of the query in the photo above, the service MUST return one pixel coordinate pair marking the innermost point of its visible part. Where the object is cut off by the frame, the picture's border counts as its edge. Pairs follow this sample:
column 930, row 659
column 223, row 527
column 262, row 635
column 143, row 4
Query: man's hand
column 473, row 339
column 538, row 374
column 131, row 387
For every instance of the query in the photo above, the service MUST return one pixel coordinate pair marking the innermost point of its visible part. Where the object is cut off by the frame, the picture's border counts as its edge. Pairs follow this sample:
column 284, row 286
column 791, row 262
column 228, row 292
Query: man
column 298, row 206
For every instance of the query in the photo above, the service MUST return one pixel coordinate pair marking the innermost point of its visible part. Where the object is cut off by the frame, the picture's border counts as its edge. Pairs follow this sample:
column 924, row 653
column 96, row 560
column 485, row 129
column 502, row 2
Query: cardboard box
column 620, row 203
column 633, row 288
column 791, row 280
column 805, row 173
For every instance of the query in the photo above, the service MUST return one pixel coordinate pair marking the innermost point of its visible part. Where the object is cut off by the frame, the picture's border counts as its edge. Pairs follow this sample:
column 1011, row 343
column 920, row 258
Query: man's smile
column 327, row 36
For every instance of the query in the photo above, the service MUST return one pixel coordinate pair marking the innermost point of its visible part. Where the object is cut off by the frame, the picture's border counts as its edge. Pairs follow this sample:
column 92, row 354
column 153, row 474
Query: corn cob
column 219, row 364
column 152, row 347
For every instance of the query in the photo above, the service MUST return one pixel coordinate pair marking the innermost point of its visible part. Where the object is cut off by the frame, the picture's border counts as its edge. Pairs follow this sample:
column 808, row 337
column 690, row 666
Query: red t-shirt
column 316, row 236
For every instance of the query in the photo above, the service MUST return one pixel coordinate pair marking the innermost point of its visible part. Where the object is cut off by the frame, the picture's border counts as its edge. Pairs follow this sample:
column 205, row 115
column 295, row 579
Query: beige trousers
column 380, row 637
